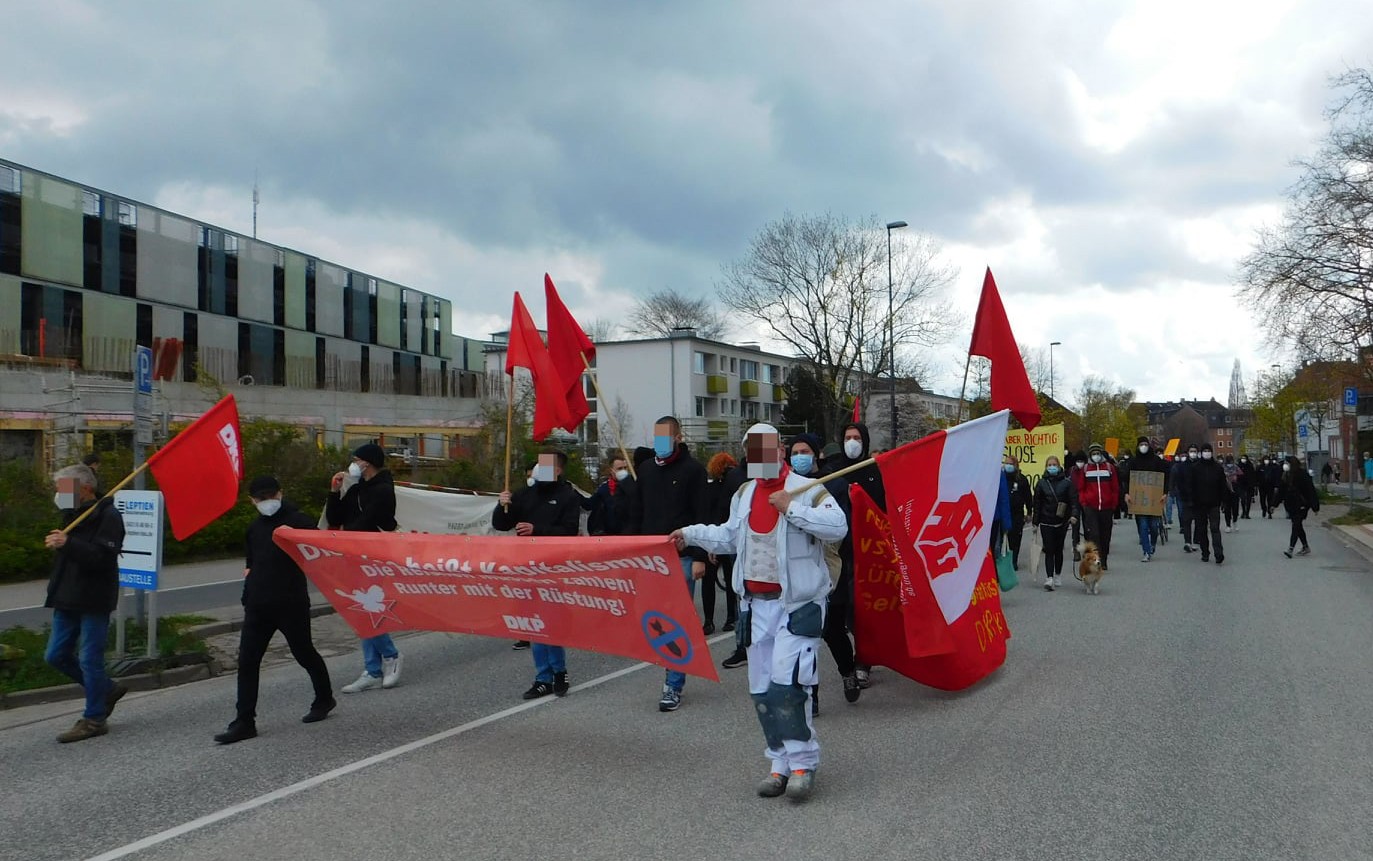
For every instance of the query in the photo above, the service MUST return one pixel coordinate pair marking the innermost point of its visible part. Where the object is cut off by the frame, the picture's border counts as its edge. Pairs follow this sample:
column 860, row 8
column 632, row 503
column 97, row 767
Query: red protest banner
column 617, row 595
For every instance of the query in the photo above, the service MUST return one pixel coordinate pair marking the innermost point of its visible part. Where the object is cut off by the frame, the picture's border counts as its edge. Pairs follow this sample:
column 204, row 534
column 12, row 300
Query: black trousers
column 1013, row 537
column 1231, row 508
column 1186, row 516
column 710, row 583
column 1096, row 528
column 839, row 620
column 1246, row 500
column 1298, row 529
column 1265, row 505
column 1052, row 539
column 1209, row 517
column 260, row 622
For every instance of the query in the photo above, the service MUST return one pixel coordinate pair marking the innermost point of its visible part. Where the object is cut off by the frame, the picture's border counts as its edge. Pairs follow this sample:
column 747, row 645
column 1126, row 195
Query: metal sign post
column 142, row 431
column 1351, row 399
column 141, row 557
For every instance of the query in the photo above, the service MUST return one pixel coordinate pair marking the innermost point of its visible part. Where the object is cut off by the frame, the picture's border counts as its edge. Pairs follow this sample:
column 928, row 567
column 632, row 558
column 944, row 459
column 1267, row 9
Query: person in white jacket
column 777, row 535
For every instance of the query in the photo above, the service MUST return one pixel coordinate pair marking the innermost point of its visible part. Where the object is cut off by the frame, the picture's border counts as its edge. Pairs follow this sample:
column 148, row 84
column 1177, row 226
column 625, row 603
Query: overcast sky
column 1109, row 160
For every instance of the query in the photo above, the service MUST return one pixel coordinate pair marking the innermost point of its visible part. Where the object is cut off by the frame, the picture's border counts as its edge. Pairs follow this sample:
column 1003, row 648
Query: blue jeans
column 676, row 680
column 88, row 670
column 547, row 661
column 1168, row 502
column 1148, row 526
column 374, row 649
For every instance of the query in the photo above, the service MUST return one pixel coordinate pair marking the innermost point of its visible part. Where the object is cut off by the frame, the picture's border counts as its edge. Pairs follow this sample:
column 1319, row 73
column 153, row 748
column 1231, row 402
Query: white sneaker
column 365, row 682
column 390, row 671
column 1058, row 581
column 1145, row 558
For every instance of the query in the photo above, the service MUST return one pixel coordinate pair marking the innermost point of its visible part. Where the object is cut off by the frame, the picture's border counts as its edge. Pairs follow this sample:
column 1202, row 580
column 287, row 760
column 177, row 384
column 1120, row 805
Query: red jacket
column 1098, row 486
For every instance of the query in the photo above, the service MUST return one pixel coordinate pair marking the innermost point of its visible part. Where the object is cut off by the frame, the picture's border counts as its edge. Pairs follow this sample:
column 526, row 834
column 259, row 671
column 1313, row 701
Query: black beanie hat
column 372, row 453
column 263, row 486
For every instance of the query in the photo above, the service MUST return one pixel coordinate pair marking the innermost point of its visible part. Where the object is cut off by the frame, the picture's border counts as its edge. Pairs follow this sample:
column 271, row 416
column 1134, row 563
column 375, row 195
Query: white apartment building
column 716, row 389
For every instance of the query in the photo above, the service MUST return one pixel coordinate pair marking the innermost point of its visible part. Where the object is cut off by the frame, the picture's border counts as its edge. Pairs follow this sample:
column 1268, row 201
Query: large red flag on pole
column 200, row 469
column 858, row 409
column 993, row 339
column 571, row 351
column 526, row 350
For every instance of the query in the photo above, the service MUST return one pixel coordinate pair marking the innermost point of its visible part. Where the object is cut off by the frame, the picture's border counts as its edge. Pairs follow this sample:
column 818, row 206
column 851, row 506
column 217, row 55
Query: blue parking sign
column 1351, row 396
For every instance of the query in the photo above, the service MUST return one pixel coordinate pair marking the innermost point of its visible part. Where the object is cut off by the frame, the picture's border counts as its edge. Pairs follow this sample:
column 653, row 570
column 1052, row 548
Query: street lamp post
column 891, row 330
column 1052, row 344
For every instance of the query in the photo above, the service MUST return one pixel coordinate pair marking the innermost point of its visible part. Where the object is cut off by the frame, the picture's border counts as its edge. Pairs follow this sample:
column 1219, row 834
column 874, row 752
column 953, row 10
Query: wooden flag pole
column 509, row 430
column 962, row 393
column 838, row 473
column 128, row 479
column 610, row 419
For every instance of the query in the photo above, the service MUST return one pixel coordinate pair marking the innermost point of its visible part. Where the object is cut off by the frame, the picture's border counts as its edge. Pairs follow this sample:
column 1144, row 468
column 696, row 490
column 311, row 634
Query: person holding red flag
column 778, row 532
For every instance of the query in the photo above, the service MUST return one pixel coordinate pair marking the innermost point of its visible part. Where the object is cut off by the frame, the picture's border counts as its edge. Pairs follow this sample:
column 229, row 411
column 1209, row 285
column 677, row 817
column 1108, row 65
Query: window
column 733, row 365
column 128, row 214
column 230, row 244
column 700, row 406
column 767, row 373
column 11, row 220
column 90, row 203
column 698, row 362
column 748, row 370
column 10, row 180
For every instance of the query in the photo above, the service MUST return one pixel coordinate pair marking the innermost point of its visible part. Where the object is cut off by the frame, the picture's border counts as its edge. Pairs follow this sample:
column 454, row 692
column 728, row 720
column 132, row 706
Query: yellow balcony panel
column 717, row 429
column 748, row 388
column 779, row 392
column 717, row 384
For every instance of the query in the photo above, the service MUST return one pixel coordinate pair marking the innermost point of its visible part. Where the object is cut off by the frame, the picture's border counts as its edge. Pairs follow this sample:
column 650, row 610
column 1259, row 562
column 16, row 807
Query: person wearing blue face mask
column 1021, row 499
column 1052, row 511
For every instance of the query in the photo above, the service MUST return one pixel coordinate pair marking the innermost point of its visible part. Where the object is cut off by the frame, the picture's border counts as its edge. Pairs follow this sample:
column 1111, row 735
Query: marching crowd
column 771, row 533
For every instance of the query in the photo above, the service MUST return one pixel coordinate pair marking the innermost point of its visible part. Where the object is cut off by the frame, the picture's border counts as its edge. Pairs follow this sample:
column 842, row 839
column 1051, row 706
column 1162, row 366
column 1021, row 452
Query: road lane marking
column 159, row 591
column 358, row 765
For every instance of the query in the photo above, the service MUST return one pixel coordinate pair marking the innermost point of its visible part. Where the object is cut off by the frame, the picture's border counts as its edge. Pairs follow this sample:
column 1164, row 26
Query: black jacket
column 85, row 572
column 609, row 513
column 1048, row 494
column 1150, row 462
column 1298, row 492
column 672, row 495
column 274, row 579
column 1209, row 487
column 554, row 507
column 368, row 506
column 1180, row 479
column 1021, row 498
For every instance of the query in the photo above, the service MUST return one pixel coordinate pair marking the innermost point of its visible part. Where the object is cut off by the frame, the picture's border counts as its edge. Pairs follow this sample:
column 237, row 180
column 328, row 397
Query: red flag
column 567, row 343
column 200, row 469
column 941, row 496
column 993, row 339
column 526, row 350
column 858, row 408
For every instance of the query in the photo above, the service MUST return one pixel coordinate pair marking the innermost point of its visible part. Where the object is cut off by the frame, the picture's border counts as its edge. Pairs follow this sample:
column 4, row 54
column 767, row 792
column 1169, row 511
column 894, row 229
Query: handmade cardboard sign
column 1146, row 493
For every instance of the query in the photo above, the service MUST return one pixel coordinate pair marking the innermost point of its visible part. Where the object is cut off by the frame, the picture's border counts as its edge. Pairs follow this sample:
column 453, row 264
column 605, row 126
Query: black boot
column 239, row 730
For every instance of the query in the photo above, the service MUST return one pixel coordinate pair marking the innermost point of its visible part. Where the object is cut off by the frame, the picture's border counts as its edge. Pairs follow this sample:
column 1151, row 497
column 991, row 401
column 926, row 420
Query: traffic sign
column 141, row 557
column 143, row 370
column 143, row 396
column 1301, row 431
column 1351, row 396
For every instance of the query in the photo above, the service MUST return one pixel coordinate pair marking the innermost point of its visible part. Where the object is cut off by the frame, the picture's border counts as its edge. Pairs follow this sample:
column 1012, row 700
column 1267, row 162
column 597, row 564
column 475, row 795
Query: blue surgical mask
column 803, row 463
column 1008, row 468
column 1052, row 470
column 664, row 446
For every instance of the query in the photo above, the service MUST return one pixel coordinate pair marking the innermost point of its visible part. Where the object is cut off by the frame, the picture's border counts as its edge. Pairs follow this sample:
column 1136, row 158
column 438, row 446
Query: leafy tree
column 1105, row 411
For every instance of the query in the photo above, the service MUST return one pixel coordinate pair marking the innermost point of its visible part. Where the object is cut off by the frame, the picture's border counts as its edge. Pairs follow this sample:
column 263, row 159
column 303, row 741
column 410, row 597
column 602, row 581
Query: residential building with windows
column 716, row 389
column 1197, row 422
column 919, row 412
column 85, row 275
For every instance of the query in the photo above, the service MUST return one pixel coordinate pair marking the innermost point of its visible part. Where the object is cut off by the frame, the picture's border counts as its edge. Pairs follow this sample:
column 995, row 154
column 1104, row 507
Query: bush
column 29, row 670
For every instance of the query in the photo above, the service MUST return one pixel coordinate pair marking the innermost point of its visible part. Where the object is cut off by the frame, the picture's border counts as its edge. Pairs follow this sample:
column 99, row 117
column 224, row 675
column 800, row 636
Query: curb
column 145, row 681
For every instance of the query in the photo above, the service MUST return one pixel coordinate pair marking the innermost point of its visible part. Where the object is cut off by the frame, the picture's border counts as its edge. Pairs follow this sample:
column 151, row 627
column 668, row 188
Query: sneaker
column 708, row 628
column 671, row 700
column 800, row 783
column 864, row 677
column 1187, row 548
column 1145, row 558
column 239, row 730
column 738, row 659
column 538, row 689
column 117, row 692
column 560, row 685
column 1205, row 557
column 1049, row 585
column 519, row 645
column 773, row 785
column 1287, row 553
column 851, row 689
column 319, row 711
column 728, row 625
column 390, row 671
column 1058, row 581
column 1220, row 558
column 1305, row 551
column 83, row 729
column 365, row 682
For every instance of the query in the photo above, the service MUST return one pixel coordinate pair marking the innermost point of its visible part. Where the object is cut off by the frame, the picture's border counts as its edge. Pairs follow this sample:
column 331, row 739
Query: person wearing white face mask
column 839, row 620
column 1147, row 524
column 609, row 506
column 1210, row 490
column 368, row 506
column 1297, row 493
column 1098, row 493
column 276, row 597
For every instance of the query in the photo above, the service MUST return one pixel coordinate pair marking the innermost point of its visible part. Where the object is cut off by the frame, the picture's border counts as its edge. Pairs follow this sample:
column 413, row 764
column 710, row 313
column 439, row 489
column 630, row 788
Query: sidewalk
column 15, row 596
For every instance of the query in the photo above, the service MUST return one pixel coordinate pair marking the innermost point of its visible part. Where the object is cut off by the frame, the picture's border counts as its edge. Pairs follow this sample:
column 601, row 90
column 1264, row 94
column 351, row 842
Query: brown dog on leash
column 1089, row 569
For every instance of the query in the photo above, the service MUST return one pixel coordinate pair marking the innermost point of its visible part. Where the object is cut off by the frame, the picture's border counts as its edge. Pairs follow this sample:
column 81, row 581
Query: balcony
column 748, row 388
column 717, row 429
column 717, row 384
column 779, row 392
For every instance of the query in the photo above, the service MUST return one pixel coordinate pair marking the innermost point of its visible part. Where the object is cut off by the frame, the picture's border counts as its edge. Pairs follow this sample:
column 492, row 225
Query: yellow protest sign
column 1030, row 448
column 1172, row 447
column 1112, row 446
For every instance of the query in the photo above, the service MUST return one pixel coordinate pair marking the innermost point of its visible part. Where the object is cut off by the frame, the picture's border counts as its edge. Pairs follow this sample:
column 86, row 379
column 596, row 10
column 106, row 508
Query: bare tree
column 659, row 313
column 600, row 329
column 819, row 285
column 1309, row 278
column 1039, row 367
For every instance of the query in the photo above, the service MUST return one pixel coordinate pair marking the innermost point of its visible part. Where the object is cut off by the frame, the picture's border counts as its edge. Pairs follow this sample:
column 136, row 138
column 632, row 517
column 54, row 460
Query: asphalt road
column 1189, row 712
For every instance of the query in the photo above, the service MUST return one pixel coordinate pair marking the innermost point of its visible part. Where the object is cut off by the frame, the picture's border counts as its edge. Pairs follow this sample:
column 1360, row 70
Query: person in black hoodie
column 368, row 506
column 672, row 495
column 1148, row 525
column 1053, row 509
column 1209, row 492
column 83, row 591
column 275, row 598
column 610, row 504
column 1297, row 493
column 548, row 506
column 1018, row 488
